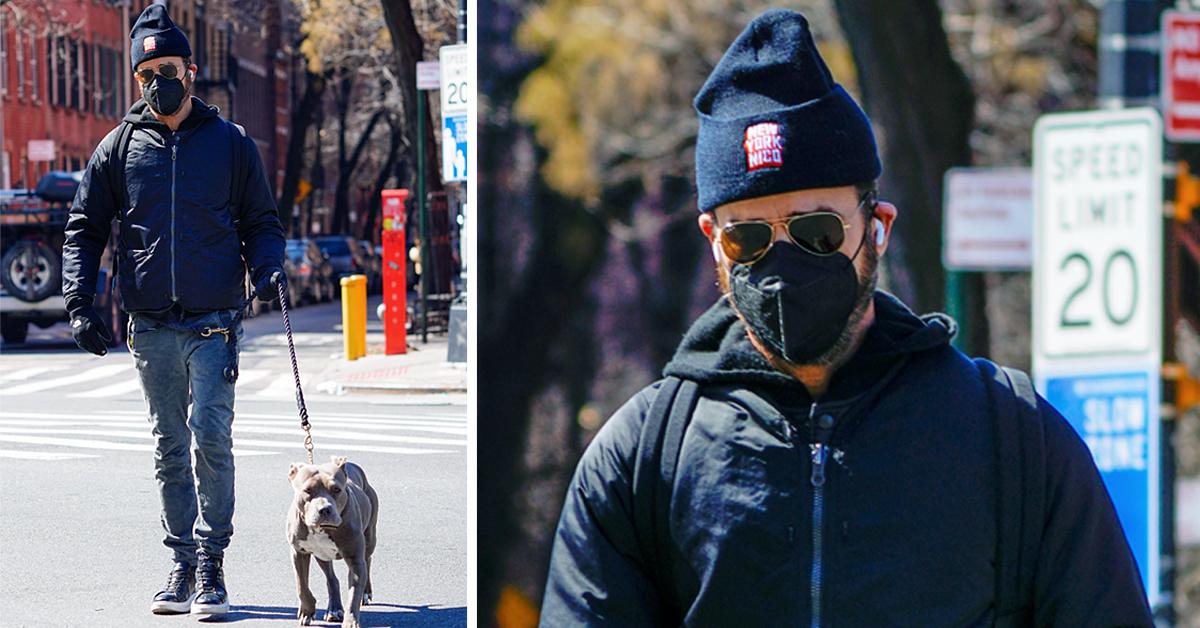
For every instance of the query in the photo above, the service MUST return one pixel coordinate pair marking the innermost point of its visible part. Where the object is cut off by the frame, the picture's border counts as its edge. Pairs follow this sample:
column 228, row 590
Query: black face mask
column 795, row 302
column 165, row 96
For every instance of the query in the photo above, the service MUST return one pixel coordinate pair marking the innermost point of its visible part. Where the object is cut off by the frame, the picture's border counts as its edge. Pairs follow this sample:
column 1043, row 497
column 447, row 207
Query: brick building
column 65, row 77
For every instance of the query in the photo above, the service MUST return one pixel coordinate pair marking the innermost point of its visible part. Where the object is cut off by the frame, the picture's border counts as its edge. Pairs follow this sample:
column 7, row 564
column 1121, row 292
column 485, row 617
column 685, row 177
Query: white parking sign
column 1097, row 233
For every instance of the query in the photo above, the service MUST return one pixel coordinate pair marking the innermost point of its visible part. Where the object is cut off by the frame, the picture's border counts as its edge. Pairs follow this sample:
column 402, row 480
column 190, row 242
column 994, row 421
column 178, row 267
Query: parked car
column 344, row 255
column 31, row 239
column 309, row 271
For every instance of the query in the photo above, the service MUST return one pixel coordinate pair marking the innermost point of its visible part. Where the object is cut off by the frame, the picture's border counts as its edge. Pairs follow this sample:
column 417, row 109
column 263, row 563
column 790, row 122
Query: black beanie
column 773, row 120
column 155, row 35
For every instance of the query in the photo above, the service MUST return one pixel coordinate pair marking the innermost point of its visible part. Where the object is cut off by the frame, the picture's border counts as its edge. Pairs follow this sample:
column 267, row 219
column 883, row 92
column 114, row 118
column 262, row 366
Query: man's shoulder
column 615, row 445
column 107, row 143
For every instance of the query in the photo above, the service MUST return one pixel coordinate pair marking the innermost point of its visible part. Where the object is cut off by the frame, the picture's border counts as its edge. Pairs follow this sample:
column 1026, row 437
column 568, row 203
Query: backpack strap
column 116, row 167
column 237, row 190
column 659, row 444
column 1020, row 491
column 117, row 185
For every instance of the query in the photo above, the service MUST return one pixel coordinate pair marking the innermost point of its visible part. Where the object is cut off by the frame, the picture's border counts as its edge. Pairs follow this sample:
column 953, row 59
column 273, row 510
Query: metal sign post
column 424, row 83
column 1097, row 302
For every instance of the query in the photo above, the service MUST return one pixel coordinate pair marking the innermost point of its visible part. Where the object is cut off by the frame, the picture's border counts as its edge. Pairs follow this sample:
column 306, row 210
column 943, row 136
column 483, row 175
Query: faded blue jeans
column 176, row 366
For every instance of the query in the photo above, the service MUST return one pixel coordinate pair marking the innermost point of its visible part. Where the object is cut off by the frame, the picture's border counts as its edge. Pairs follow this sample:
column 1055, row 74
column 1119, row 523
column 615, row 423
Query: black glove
column 91, row 334
column 268, row 286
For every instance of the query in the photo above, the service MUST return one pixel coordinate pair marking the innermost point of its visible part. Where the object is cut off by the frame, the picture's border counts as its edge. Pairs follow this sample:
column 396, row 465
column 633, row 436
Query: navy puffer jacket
column 182, row 239
column 901, row 531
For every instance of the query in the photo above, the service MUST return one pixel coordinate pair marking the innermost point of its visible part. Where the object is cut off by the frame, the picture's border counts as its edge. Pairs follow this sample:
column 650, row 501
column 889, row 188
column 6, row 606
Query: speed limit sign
column 1097, row 234
column 1097, row 303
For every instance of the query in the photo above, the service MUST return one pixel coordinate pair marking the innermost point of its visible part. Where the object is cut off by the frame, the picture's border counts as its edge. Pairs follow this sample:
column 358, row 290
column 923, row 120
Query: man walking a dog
column 817, row 454
column 195, row 211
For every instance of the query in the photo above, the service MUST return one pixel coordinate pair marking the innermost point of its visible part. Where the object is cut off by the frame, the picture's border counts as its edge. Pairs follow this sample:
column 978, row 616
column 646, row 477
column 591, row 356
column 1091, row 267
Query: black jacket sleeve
column 258, row 220
column 89, row 224
column 595, row 576
column 1086, row 574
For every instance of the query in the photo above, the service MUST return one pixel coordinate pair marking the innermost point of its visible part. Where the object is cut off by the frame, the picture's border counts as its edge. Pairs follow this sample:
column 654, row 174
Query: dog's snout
column 325, row 511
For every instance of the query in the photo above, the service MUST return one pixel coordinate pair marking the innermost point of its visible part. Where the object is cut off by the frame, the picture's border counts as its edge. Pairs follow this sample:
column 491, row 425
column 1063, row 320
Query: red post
column 395, row 282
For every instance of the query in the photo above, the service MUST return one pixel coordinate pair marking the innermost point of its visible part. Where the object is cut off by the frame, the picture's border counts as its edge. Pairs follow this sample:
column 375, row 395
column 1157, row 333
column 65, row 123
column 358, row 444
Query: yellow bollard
column 354, row 316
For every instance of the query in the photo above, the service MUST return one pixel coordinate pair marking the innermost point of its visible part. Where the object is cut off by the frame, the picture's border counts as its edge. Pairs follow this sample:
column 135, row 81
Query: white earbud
column 878, row 232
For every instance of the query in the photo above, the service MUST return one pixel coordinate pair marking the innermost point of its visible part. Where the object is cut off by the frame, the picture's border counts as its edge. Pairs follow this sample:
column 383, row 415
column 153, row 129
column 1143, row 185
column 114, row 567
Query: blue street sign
column 1117, row 415
column 455, row 139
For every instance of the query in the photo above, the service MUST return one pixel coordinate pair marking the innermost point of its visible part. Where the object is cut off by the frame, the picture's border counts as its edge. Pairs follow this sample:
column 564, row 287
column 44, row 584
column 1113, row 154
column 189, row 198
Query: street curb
column 387, row 389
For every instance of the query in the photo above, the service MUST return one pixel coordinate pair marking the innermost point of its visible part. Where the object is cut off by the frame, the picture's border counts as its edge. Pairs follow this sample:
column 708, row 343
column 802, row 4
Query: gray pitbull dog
column 332, row 517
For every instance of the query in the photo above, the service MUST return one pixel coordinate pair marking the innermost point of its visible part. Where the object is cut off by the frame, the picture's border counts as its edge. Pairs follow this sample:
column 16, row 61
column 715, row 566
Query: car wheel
column 13, row 330
column 31, row 271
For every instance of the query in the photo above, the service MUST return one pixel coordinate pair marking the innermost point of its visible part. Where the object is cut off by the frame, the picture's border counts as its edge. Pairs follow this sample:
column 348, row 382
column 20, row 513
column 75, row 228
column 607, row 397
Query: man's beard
column 848, row 338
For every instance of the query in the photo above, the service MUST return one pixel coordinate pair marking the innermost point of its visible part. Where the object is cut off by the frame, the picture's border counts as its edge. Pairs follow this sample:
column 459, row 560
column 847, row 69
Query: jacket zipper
column 174, row 152
column 820, row 455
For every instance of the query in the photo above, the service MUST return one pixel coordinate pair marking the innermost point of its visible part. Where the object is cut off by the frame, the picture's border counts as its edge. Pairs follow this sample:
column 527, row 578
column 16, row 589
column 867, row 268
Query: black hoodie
column 183, row 238
column 901, row 532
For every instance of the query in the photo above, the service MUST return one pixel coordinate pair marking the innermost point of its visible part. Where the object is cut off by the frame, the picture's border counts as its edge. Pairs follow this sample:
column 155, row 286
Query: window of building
column 4, row 63
column 19, row 49
column 87, row 97
column 58, row 70
column 103, row 84
column 118, row 88
column 35, row 82
column 74, row 73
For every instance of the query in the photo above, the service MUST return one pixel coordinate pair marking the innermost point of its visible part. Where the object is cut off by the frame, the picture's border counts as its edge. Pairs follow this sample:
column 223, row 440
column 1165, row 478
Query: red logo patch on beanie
column 148, row 44
column 764, row 146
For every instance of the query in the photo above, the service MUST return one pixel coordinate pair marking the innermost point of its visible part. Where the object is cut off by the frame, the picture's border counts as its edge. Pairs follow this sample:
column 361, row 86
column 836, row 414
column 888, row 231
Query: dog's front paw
column 333, row 615
column 350, row 622
column 307, row 610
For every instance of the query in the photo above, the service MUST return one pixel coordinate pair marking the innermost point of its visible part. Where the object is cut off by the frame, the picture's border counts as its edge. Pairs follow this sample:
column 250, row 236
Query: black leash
column 231, row 371
column 287, row 327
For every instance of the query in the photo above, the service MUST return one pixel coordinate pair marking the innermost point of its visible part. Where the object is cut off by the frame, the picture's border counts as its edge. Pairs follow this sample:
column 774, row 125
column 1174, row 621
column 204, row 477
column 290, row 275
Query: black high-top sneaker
column 176, row 596
column 211, row 598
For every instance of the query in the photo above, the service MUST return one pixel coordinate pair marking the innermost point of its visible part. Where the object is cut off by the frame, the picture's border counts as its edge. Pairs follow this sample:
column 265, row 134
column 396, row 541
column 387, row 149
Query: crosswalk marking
column 134, row 384
column 251, row 375
column 115, row 390
column 254, row 433
column 99, row 444
column 370, row 430
column 26, row 373
column 39, row 418
column 281, row 386
column 41, row 455
column 337, row 418
column 99, row 372
column 250, row 428
column 15, row 434
column 238, row 428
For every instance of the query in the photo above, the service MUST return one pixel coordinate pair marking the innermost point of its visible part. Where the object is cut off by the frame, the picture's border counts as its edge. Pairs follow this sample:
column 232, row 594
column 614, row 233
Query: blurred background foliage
column 591, row 266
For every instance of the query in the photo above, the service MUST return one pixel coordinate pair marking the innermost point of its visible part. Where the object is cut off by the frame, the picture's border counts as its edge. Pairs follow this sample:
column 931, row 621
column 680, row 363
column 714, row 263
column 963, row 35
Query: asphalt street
column 80, row 539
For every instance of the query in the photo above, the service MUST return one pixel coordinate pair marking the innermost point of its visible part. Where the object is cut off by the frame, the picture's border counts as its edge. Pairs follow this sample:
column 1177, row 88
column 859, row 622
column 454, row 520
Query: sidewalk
column 423, row 371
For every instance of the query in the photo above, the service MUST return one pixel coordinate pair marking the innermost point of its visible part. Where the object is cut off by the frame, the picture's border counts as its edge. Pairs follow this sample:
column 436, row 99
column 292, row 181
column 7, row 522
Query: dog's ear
column 294, row 470
column 338, row 461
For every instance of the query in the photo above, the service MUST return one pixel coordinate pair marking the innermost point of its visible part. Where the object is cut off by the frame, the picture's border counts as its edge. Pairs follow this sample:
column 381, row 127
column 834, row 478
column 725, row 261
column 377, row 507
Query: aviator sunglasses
column 820, row 233
column 167, row 70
